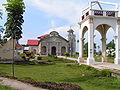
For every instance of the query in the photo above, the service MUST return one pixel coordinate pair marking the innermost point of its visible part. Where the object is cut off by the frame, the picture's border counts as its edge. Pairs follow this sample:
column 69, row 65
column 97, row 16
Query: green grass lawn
column 57, row 60
column 64, row 73
column 6, row 88
column 98, row 58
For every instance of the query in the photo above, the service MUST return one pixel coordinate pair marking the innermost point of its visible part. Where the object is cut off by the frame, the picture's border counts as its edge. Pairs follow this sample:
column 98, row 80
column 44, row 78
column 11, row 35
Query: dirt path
column 18, row 85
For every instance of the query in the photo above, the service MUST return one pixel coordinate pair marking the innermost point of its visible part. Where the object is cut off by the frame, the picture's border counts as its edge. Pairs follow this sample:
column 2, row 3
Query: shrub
column 23, row 56
column 32, row 56
column 49, row 60
column 39, row 58
column 42, row 62
column 86, row 67
column 105, row 73
column 53, row 56
column 53, row 85
column 66, row 54
column 35, row 62
column 24, row 63
column 28, row 53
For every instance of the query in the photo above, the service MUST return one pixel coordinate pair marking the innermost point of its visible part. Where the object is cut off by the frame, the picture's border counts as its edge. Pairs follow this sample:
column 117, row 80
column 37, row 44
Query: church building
column 53, row 44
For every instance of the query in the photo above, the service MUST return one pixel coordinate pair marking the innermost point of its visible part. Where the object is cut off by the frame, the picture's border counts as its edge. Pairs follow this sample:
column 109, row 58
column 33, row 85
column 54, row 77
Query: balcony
column 102, row 13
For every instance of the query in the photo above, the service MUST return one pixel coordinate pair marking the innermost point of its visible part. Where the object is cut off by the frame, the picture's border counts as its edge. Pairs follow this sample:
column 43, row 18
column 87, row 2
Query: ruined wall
column 6, row 51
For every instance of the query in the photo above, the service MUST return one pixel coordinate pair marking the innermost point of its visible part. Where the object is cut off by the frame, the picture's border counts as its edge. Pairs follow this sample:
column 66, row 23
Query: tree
column 1, row 28
column 1, row 13
column 110, row 47
column 111, row 44
column 15, row 10
column 85, row 48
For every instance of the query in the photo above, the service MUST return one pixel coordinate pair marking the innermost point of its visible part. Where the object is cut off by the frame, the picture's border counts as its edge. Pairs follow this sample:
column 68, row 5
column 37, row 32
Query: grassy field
column 56, row 60
column 98, row 58
column 6, row 88
column 74, row 74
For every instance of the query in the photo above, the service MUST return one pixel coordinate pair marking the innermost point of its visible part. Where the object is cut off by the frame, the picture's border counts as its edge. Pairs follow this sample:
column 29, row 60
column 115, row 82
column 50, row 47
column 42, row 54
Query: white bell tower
column 100, row 20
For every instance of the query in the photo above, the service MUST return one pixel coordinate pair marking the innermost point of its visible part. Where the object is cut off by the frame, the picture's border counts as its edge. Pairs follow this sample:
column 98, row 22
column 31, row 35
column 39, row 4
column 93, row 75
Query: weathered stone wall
column 56, row 42
column 6, row 51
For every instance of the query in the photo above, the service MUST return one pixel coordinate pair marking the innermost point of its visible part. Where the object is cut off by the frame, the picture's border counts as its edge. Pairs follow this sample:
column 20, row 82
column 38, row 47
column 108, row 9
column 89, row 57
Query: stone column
column 117, row 41
column 80, row 58
column 57, row 47
column 40, row 48
column 104, row 59
column 81, row 50
column 90, row 59
column 50, row 48
column 47, row 47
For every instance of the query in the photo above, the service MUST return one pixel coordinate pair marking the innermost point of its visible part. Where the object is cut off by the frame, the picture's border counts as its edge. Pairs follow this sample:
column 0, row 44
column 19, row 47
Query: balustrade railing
column 100, row 13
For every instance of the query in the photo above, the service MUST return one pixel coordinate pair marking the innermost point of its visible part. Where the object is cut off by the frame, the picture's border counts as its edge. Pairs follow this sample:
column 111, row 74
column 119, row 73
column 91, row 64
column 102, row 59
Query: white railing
column 104, row 13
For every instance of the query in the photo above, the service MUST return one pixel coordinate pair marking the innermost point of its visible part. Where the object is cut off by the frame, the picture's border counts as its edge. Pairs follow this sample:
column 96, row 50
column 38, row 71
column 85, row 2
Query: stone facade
column 54, row 44
column 6, row 50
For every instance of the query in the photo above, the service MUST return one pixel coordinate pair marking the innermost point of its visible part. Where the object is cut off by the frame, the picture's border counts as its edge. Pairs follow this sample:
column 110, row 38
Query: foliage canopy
column 15, row 10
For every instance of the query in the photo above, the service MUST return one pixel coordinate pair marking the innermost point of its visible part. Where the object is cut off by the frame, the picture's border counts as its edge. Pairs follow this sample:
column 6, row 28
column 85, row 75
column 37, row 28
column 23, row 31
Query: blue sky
column 42, row 16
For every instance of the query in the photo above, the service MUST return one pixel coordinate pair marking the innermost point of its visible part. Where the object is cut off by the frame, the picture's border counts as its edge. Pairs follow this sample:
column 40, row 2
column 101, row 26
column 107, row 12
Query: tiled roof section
column 33, row 42
column 41, row 37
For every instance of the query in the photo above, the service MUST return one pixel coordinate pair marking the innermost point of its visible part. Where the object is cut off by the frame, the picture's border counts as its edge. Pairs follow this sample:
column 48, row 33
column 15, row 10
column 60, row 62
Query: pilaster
column 117, row 41
column 90, row 59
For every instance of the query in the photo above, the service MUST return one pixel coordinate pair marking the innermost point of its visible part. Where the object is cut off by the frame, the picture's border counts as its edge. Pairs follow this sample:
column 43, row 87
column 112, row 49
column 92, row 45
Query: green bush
column 28, row 53
column 105, row 73
column 66, row 54
column 23, row 56
column 32, row 56
column 39, row 58
column 24, row 63
column 86, row 67
column 35, row 62
column 49, row 60
column 53, row 56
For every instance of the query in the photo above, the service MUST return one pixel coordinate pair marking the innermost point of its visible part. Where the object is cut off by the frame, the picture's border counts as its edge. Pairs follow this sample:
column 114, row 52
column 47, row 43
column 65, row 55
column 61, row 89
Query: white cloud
column 24, row 39
column 65, row 9
column 63, row 30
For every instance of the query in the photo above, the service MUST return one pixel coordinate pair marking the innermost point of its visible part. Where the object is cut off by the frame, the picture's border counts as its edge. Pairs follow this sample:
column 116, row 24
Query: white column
column 117, row 41
column 80, row 49
column 80, row 58
column 90, row 59
column 104, row 48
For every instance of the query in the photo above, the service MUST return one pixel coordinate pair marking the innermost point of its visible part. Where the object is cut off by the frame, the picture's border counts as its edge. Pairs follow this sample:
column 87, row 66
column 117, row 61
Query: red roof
column 33, row 42
column 41, row 37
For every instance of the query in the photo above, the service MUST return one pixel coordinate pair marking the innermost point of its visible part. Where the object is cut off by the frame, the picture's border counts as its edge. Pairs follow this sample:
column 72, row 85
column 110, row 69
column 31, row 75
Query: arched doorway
column 63, row 50
column 53, row 50
column 104, row 29
column 83, row 40
column 43, row 50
